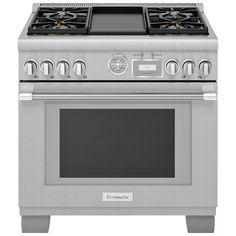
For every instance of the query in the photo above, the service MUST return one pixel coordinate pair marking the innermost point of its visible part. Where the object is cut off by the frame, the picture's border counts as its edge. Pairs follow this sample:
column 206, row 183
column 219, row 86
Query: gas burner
column 60, row 21
column 175, row 21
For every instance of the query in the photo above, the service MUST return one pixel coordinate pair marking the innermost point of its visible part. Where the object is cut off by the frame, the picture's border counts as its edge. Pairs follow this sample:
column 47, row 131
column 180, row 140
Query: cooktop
column 122, row 20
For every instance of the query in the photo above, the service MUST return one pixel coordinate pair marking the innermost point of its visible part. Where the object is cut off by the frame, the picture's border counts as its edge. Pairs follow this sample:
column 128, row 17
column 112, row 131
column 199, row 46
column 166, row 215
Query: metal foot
column 200, row 224
column 35, row 224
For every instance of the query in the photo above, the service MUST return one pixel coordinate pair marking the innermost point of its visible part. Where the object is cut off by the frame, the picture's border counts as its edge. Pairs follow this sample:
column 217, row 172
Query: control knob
column 30, row 68
column 63, row 68
column 188, row 68
column 79, row 68
column 172, row 67
column 46, row 68
column 205, row 67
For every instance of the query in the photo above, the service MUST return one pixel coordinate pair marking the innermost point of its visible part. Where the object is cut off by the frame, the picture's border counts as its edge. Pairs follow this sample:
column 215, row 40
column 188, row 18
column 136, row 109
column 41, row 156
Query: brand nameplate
column 117, row 197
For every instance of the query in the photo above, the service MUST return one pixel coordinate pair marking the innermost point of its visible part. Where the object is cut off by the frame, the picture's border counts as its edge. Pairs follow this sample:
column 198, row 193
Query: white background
column 222, row 15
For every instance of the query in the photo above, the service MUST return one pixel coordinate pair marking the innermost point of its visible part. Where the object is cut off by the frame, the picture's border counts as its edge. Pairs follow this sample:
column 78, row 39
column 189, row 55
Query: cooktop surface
column 122, row 20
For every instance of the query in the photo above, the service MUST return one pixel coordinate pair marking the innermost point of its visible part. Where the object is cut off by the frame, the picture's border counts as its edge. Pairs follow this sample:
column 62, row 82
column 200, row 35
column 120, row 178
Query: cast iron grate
column 60, row 20
column 175, row 20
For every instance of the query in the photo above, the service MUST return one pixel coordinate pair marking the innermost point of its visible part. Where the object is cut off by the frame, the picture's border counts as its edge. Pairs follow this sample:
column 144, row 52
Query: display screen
column 147, row 68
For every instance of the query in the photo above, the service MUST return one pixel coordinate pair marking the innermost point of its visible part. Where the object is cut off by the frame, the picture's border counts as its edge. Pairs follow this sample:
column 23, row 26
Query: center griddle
column 118, row 20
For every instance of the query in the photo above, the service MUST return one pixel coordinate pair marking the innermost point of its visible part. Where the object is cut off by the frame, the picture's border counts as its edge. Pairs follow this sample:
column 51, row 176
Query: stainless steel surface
column 204, row 96
column 97, row 62
column 203, row 167
column 118, row 211
column 98, row 72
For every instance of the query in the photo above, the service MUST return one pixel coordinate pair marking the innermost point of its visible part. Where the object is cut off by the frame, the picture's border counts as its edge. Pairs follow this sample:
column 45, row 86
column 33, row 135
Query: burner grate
column 60, row 20
column 175, row 20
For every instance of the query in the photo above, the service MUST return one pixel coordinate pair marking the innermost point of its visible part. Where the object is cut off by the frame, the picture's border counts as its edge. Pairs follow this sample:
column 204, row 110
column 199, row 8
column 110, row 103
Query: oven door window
column 117, row 145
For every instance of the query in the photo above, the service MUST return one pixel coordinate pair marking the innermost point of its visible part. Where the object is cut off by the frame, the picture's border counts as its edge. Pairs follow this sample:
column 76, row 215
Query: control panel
column 98, row 66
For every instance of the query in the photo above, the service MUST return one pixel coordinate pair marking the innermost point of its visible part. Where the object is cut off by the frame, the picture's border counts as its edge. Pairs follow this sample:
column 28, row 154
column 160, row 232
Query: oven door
column 118, row 139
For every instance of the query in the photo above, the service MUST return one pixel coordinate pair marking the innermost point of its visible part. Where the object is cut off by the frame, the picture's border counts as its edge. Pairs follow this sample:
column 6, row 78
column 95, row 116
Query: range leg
column 35, row 224
column 200, row 224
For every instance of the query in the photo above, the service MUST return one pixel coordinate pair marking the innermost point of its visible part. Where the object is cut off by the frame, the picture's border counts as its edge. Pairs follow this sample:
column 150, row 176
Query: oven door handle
column 160, row 96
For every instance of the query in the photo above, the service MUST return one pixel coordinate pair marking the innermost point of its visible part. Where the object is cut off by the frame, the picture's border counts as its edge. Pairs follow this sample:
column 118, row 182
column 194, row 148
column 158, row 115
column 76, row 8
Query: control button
column 46, row 68
column 30, row 67
column 188, row 67
column 205, row 67
column 172, row 67
column 79, row 68
column 118, row 64
column 63, row 68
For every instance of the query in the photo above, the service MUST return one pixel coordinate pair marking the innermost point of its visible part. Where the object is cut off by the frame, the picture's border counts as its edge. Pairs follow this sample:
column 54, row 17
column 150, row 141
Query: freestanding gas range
column 118, row 113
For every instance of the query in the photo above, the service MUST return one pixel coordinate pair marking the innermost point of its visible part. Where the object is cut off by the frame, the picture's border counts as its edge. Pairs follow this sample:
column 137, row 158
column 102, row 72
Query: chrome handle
column 182, row 96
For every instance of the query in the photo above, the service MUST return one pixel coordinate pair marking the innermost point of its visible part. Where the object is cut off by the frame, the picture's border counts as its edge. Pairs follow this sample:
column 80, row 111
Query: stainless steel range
column 118, row 113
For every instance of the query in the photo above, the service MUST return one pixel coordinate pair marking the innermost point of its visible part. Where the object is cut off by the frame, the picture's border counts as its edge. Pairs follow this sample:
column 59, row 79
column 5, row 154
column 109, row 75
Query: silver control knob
column 63, row 68
column 46, row 68
column 188, row 68
column 172, row 67
column 30, row 68
column 205, row 67
column 79, row 68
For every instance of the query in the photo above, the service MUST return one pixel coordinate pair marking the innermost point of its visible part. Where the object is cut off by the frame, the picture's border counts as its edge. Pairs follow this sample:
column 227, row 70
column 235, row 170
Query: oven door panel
column 119, row 142
column 35, row 191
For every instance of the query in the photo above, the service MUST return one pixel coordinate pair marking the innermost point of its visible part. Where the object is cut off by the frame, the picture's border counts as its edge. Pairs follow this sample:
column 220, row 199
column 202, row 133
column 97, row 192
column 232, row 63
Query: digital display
column 147, row 67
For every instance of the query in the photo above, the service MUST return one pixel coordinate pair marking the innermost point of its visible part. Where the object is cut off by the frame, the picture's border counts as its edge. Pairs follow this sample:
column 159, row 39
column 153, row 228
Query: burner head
column 175, row 21
column 60, row 21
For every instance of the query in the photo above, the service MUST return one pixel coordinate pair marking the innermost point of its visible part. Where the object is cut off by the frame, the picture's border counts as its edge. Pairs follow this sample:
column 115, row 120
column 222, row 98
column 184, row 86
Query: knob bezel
column 178, row 66
column 194, row 66
column 57, row 68
column 85, row 67
column 36, row 67
column 41, row 65
column 199, row 64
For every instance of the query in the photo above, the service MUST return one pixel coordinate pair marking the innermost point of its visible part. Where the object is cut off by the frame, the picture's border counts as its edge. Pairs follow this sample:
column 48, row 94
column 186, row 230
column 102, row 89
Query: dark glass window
column 117, row 143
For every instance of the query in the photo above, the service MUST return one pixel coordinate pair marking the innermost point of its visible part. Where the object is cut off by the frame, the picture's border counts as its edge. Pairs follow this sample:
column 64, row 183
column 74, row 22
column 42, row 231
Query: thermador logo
column 119, row 197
